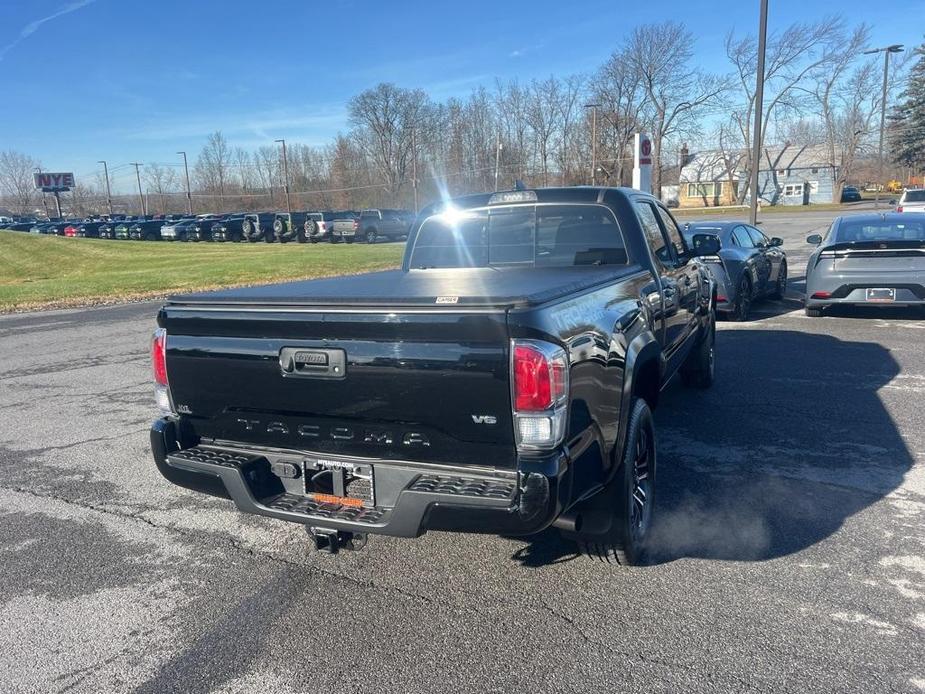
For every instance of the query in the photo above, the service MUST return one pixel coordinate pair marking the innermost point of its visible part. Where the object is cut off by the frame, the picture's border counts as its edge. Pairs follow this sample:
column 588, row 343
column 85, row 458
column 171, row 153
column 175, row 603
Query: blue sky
column 127, row 80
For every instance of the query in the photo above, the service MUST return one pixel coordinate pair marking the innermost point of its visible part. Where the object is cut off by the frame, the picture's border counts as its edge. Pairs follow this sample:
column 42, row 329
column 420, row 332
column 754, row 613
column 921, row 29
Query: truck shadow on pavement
column 791, row 441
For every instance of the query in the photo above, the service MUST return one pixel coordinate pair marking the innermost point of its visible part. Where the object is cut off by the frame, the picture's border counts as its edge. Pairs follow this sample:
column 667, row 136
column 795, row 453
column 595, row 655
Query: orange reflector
column 331, row 499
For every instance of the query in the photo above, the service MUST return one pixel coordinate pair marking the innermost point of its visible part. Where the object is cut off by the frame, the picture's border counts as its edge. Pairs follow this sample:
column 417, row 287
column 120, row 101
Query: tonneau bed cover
column 476, row 287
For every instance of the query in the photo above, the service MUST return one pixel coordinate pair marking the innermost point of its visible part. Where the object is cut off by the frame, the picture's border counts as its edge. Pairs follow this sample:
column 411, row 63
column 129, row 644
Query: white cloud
column 33, row 26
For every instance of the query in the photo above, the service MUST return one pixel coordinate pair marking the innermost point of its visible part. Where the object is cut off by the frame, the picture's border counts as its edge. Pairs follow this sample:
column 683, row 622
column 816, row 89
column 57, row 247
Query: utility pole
column 895, row 48
column 593, row 108
column 144, row 204
column 189, row 196
column 414, row 167
column 108, row 191
column 498, row 160
column 759, row 109
column 286, row 174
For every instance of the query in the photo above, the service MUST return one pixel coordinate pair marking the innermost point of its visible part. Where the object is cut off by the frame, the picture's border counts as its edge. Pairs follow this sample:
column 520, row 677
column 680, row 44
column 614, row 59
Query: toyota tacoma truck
column 501, row 381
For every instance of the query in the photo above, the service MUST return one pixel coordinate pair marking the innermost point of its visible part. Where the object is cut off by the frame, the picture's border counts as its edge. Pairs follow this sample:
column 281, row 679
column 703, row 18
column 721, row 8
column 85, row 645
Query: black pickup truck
column 501, row 381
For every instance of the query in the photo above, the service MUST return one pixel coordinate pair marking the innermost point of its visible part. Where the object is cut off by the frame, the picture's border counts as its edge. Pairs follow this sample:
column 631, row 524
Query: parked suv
column 180, row 230
column 389, row 224
column 290, row 226
column 146, row 230
column 258, row 225
column 229, row 229
column 202, row 229
column 318, row 225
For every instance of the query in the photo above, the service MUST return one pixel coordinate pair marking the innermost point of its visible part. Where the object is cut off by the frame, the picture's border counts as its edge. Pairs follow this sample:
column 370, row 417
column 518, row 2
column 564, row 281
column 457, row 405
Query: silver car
column 749, row 265
column 870, row 259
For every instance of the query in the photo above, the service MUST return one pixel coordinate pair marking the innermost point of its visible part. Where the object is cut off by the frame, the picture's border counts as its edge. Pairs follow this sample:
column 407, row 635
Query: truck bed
column 475, row 287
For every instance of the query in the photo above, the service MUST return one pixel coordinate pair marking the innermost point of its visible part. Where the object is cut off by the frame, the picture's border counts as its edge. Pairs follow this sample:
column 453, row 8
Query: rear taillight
column 539, row 374
column 159, row 363
column 821, row 295
column 899, row 208
column 720, row 299
column 322, row 226
column 356, row 224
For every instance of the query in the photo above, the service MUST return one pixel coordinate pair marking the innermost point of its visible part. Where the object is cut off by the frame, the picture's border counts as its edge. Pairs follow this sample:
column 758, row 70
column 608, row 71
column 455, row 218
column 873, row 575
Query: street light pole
column 108, row 191
column 593, row 108
column 895, row 48
column 759, row 110
column 189, row 196
column 144, row 204
column 414, row 167
column 286, row 174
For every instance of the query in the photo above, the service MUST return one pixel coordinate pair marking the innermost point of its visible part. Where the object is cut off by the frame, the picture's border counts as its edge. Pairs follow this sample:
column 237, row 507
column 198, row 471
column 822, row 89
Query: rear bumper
column 419, row 498
column 852, row 291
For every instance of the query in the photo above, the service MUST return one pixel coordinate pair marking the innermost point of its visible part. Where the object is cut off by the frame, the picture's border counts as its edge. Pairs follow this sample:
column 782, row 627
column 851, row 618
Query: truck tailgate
column 427, row 386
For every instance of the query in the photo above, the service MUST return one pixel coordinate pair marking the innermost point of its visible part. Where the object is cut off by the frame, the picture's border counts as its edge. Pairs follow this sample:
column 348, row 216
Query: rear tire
column 698, row 370
column 618, row 520
column 743, row 301
column 371, row 236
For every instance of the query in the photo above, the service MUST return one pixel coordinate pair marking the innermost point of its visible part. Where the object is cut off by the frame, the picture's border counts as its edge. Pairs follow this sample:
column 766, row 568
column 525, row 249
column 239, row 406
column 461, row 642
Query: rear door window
column 653, row 232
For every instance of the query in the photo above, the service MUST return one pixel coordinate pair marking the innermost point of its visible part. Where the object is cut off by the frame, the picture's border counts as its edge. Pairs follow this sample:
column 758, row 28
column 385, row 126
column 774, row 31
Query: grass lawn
column 51, row 271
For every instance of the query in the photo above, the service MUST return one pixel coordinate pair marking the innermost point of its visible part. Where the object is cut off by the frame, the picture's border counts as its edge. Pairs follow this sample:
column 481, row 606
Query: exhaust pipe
column 569, row 522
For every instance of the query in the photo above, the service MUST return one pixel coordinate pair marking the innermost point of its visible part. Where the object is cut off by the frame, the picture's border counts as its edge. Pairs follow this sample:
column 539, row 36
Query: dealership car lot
column 789, row 553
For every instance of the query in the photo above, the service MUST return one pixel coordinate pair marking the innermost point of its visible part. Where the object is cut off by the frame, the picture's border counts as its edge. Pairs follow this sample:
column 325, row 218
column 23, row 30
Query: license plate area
column 339, row 481
column 881, row 295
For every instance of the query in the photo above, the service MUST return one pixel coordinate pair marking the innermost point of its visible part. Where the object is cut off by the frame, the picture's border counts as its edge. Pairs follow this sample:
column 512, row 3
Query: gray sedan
column 749, row 265
column 870, row 259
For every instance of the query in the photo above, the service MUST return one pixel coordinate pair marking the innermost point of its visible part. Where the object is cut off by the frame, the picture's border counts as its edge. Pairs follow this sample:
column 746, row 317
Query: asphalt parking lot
column 789, row 554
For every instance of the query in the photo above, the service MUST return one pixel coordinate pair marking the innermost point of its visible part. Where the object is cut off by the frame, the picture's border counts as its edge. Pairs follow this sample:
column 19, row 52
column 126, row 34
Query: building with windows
column 788, row 175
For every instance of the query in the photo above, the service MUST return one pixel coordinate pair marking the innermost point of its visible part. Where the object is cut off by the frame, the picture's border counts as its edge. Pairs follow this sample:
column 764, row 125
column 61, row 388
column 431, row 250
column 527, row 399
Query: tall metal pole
column 414, row 167
column 759, row 112
column 593, row 108
column 895, row 48
column 286, row 174
column 144, row 204
column 44, row 199
column 189, row 195
column 497, row 160
column 108, row 191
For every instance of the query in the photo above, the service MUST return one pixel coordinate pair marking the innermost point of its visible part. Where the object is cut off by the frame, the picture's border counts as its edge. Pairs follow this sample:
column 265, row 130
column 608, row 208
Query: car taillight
column 159, row 364
column 720, row 299
column 899, row 208
column 322, row 226
column 539, row 371
column 821, row 295
column 356, row 224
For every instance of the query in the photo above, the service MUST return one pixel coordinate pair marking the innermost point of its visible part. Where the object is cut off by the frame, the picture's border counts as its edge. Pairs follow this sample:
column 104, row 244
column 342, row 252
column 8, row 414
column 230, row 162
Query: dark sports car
column 869, row 259
column 749, row 265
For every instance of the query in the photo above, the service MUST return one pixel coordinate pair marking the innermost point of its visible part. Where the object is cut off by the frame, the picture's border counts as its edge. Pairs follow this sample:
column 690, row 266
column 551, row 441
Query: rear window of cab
column 546, row 235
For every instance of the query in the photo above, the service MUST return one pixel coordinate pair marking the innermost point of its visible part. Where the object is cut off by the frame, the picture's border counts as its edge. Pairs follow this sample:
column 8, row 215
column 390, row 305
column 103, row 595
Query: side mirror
column 705, row 244
column 814, row 239
column 776, row 241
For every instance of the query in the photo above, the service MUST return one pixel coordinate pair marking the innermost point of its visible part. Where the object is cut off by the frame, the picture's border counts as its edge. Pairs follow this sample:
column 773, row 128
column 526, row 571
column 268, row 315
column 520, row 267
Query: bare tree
column 16, row 183
column 544, row 117
column 792, row 57
column 161, row 180
column 618, row 88
column 662, row 56
column 266, row 167
column 213, row 166
column 386, row 121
